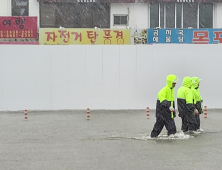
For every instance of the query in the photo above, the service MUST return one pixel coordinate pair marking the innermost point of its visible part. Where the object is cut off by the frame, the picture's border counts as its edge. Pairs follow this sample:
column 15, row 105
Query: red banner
column 18, row 27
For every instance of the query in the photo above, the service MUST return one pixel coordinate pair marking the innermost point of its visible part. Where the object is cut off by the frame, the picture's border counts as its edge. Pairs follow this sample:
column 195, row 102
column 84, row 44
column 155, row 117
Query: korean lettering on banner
column 205, row 36
column 114, row 36
column 181, row 36
column 217, row 36
column 159, row 36
column 107, row 37
column 20, row 22
column 77, row 36
column 64, row 36
column 175, row 36
column 92, row 36
column 119, row 37
column 156, row 35
column 18, row 27
column 50, row 36
column 190, row 36
column 166, row 36
column 200, row 37
column 153, row 36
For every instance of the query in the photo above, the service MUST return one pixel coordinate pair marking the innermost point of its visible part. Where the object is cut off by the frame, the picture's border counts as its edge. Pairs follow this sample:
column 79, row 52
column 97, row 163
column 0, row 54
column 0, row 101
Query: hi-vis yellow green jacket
column 185, row 98
column 197, row 97
column 166, row 98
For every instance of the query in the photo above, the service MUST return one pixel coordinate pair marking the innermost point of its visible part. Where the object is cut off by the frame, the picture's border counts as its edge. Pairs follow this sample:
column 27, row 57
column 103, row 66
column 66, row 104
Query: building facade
column 119, row 14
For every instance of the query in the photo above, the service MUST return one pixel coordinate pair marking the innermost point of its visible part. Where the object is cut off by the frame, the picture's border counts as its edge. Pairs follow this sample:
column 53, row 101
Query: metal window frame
column 120, row 15
column 175, row 15
column 175, row 11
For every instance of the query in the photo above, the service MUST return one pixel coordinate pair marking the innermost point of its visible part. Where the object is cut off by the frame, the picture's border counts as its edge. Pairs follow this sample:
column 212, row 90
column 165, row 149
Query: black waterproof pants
column 160, row 123
column 197, row 118
column 188, row 122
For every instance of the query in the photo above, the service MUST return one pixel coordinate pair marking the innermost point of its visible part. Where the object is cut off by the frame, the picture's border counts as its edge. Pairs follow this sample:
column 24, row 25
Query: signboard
column 18, row 27
column 65, row 36
column 188, row 36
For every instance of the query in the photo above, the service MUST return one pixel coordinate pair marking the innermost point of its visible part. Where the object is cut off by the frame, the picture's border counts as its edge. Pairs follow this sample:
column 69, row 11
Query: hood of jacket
column 196, row 81
column 187, row 82
column 170, row 80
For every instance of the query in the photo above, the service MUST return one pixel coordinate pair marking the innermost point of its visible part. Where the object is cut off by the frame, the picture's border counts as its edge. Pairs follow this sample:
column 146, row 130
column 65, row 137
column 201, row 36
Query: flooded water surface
column 109, row 140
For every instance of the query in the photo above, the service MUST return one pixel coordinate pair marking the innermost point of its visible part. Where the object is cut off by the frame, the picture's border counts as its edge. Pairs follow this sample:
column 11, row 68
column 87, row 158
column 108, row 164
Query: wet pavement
column 110, row 140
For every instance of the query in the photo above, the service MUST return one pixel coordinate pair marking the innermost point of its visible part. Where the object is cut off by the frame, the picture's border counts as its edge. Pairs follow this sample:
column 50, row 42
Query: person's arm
column 162, row 98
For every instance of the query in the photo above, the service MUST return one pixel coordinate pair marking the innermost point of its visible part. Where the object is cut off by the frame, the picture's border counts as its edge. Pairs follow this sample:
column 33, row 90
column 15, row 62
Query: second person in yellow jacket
column 186, row 107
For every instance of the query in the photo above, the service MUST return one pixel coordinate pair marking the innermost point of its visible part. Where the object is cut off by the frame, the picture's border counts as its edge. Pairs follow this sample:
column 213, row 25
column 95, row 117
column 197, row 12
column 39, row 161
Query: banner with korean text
column 65, row 36
column 185, row 36
column 18, row 27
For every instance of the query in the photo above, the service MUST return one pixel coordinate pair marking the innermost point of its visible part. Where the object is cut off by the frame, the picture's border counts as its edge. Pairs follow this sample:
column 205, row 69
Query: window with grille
column 20, row 8
column 120, row 19
column 181, row 15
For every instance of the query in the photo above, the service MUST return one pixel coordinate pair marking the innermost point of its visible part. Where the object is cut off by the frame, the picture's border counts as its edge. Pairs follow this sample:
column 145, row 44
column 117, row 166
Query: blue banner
column 181, row 36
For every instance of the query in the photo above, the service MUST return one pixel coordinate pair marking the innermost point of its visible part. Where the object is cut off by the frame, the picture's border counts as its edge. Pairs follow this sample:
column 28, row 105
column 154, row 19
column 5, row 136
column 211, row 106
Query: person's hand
column 201, row 111
column 196, row 112
column 172, row 109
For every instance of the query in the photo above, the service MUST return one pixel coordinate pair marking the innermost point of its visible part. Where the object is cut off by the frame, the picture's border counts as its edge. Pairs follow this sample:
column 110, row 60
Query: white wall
column 138, row 14
column 103, row 77
column 217, row 15
column 34, row 9
column 5, row 8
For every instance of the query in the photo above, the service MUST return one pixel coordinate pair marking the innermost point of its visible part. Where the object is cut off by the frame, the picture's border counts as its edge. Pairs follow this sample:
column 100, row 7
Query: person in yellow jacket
column 165, row 112
column 186, row 107
column 197, row 100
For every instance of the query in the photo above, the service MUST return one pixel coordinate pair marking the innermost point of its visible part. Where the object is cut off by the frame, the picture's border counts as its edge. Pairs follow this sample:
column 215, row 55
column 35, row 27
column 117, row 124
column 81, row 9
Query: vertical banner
column 65, row 36
column 18, row 27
